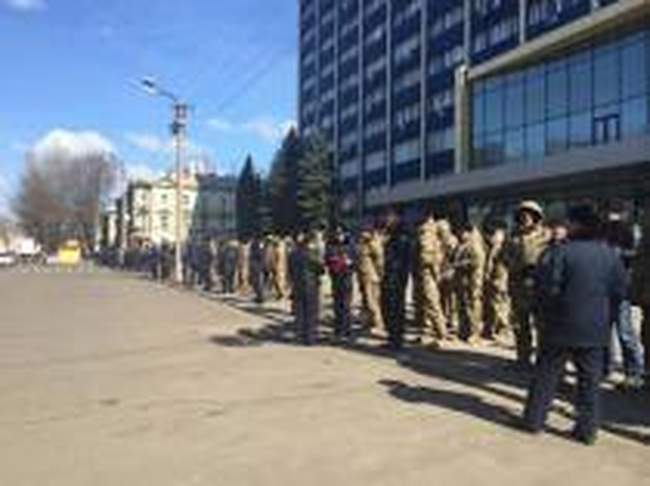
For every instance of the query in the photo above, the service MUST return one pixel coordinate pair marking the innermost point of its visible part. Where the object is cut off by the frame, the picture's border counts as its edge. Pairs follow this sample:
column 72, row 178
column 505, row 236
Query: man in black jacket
column 579, row 285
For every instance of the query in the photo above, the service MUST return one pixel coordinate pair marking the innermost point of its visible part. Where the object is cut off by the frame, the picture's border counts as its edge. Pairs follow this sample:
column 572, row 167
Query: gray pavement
column 112, row 380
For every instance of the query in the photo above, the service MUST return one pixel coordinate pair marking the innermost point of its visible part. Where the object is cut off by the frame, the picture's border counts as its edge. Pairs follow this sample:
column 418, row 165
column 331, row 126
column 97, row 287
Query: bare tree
column 61, row 197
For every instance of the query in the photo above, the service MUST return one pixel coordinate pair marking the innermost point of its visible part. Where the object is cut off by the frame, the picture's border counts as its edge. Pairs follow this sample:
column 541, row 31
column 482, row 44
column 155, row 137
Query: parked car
column 7, row 259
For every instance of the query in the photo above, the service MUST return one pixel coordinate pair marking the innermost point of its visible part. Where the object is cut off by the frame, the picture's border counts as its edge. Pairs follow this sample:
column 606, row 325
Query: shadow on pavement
column 623, row 413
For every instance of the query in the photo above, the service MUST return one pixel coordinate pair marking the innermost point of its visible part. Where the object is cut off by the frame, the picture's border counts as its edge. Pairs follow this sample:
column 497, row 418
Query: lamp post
column 178, row 130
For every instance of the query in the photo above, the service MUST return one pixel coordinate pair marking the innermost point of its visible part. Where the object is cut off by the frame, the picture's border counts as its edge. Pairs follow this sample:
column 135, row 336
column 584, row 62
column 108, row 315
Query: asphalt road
column 112, row 380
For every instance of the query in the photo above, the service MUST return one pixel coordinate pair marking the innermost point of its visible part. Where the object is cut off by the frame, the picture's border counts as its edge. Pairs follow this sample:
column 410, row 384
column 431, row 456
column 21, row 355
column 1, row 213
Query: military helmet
column 532, row 207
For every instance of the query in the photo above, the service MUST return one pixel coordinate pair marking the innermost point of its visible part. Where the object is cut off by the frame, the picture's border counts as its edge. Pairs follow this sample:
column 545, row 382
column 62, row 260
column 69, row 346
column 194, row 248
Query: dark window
column 479, row 112
column 606, row 76
column 515, row 102
column 557, row 133
column 634, row 117
column 580, row 129
column 535, row 142
column 515, row 146
column 494, row 149
column 580, row 82
column 535, row 95
column 557, row 92
column 494, row 110
column 634, row 68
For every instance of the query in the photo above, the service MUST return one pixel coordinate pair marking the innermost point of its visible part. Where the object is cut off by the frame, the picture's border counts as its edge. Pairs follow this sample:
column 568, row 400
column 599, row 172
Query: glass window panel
column 580, row 85
column 515, row 103
column 494, row 110
column 557, row 92
column 634, row 69
column 515, row 146
column 580, row 129
column 479, row 112
column 634, row 117
column 606, row 76
column 478, row 158
column 557, row 134
column 535, row 142
column 494, row 149
column 535, row 94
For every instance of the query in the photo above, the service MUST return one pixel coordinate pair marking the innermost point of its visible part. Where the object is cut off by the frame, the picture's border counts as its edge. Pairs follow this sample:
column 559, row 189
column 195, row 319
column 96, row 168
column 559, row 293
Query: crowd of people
column 556, row 288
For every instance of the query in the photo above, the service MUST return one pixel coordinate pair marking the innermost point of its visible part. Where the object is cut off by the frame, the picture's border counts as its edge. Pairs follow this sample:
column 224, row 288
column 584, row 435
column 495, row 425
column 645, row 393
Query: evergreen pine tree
column 314, row 195
column 248, row 201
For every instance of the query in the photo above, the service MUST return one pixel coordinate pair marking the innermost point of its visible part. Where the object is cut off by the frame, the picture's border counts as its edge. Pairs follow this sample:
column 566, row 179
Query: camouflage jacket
column 522, row 255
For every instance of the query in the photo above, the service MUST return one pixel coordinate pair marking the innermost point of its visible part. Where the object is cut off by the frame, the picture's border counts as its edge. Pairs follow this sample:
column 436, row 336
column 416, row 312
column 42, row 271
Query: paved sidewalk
column 112, row 380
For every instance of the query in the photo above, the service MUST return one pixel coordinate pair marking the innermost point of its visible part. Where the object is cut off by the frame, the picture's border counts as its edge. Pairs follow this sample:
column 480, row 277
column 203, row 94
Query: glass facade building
column 415, row 96
column 595, row 95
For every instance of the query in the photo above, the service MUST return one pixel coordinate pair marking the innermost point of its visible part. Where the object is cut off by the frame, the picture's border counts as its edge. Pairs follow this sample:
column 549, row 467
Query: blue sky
column 72, row 64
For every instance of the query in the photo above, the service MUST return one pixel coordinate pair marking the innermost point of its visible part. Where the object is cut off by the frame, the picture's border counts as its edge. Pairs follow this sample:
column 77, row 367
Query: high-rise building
column 478, row 100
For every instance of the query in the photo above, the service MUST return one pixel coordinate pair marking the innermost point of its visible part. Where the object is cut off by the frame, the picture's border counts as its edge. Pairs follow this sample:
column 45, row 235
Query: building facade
column 478, row 100
column 147, row 211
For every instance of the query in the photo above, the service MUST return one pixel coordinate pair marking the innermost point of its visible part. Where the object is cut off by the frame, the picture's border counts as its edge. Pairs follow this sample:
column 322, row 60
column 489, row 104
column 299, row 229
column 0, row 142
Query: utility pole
column 178, row 130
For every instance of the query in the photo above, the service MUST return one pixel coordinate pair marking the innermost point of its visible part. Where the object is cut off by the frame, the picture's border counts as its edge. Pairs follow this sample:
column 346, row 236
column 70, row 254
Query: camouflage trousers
column 371, row 300
column 497, row 312
column 433, row 315
column 523, row 326
column 449, row 297
column 472, row 308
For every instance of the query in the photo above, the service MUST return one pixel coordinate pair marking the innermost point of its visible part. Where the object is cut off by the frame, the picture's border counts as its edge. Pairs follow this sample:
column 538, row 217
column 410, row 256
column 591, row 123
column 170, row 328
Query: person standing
column 278, row 267
column 497, row 299
column 340, row 264
column 471, row 269
column 230, row 257
column 257, row 267
column 430, row 259
column 397, row 267
column 448, row 278
column 370, row 271
column 243, row 285
column 621, row 240
column 641, row 288
column 308, row 270
column 579, row 290
column 522, row 255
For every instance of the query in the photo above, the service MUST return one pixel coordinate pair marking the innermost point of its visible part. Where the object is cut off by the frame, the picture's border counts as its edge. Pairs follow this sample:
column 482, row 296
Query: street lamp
column 178, row 130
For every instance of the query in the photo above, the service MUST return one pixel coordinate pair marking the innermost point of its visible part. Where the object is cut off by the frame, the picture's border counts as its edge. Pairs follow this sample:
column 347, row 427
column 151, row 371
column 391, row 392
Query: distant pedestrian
column 257, row 269
column 578, row 293
column 340, row 264
column 308, row 271
column 641, row 287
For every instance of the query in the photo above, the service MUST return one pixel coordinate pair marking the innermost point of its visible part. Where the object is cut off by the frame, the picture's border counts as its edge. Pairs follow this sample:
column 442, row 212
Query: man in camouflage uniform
column 522, row 255
column 370, row 273
column 243, row 274
column 397, row 267
column 430, row 257
column 497, row 299
column 448, row 283
column 471, row 269
column 307, row 271
column 278, row 267
column 641, row 288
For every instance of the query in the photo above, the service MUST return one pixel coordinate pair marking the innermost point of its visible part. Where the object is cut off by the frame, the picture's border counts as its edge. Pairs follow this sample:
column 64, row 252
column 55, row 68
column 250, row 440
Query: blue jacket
column 578, row 286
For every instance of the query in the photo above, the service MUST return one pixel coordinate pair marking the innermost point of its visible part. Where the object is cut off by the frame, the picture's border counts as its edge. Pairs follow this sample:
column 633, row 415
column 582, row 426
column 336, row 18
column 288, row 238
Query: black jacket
column 578, row 286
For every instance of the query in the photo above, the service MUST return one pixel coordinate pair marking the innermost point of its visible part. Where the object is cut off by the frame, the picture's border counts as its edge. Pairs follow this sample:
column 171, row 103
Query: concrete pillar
column 462, row 122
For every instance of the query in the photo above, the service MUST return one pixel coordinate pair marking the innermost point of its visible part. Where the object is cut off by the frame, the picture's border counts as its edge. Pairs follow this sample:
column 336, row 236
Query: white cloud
column 141, row 172
column 148, row 142
column 264, row 128
column 65, row 145
column 26, row 5
column 220, row 125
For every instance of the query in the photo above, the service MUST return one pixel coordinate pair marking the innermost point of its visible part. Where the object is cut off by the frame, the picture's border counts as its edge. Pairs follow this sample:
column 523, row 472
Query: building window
column 598, row 95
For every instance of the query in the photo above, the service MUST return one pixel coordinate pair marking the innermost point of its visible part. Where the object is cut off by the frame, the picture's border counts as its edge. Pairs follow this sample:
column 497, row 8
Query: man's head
column 559, row 230
column 584, row 222
column 529, row 215
column 392, row 219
